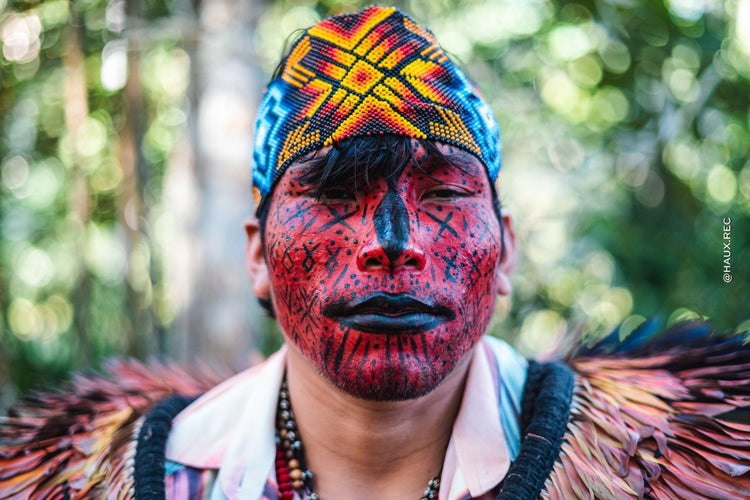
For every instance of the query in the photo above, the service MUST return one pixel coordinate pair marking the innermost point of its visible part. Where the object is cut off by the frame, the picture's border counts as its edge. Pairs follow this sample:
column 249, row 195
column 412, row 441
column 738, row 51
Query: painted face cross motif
column 386, row 287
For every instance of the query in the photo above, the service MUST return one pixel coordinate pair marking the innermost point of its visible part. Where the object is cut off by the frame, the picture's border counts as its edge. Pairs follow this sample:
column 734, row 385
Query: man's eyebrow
column 456, row 158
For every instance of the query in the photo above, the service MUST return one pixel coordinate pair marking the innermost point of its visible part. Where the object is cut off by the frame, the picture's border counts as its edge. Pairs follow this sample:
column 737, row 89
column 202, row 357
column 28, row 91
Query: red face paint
column 384, row 289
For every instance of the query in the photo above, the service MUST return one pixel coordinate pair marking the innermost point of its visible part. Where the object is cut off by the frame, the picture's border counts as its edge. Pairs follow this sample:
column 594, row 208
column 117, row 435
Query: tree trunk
column 76, row 111
column 217, row 313
column 132, row 211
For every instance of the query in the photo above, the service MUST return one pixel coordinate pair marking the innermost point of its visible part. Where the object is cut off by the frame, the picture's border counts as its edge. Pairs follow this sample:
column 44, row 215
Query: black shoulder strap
column 545, row 409
column 152, row 442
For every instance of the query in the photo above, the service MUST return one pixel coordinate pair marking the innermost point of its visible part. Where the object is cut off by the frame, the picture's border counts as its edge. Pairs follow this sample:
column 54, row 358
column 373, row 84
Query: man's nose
column 372, row 257
column 392, row 247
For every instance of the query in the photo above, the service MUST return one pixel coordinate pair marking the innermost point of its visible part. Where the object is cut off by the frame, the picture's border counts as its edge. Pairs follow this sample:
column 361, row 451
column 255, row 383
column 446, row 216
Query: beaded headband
column 371, row 72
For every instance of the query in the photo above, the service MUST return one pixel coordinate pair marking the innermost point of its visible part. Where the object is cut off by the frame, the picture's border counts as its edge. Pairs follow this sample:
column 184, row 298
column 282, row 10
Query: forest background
column 125, row 144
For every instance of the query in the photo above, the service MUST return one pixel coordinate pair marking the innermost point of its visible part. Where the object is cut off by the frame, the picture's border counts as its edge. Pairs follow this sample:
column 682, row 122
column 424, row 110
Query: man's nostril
column 372, row 262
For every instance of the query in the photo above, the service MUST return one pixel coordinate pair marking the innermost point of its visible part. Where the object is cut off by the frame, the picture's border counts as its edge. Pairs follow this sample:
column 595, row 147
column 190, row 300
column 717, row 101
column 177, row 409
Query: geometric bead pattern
column 367, row 73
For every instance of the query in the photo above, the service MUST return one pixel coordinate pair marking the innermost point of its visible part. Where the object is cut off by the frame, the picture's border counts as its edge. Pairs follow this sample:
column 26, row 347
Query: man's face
column 385, row 288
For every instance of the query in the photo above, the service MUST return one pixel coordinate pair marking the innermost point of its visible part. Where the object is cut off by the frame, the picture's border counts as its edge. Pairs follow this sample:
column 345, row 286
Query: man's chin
column 397, row 382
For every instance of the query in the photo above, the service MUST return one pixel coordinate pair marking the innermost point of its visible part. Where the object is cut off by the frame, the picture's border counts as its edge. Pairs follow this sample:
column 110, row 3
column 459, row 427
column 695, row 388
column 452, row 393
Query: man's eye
column 337, row 194
column 445, row 193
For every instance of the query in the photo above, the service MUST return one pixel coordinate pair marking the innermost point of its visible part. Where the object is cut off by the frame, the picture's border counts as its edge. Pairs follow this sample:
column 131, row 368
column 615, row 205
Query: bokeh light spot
column 15, row 172
column 34, row 267
column 105, row 253
column 683, row 85
column 742, row 25
column 586, row 70
column 743, row 181
column 682, row 159
column 721, row 184
column 537, row 329
column 24, row 319
column 20, row 36
column 610, row 105
column 114, row 72
column 90, row 138
column 629, row 324
column 682, row 314
column 615, row 56
column 570, row 42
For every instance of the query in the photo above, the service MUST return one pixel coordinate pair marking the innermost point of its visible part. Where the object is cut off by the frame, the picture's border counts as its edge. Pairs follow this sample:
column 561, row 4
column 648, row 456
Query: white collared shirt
column 222, row 446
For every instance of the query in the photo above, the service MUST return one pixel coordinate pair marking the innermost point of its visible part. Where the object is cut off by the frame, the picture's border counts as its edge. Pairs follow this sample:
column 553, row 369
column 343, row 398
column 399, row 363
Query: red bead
column 287, row 495
column 280, row 463
column 283, row 477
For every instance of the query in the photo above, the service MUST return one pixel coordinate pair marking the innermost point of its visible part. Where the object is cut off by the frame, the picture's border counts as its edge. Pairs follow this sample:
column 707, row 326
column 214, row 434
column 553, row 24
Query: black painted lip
column 387, row 313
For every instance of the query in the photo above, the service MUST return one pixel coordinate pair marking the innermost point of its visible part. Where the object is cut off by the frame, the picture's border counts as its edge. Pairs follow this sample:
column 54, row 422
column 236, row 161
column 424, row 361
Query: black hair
column 363, row 159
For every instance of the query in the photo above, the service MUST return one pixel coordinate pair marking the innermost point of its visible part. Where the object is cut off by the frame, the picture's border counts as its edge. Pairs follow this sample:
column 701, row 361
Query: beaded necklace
column 291, row 473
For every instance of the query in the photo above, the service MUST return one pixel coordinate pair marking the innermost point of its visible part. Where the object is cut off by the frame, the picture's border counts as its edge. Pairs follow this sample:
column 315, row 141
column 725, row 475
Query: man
column 380, row 247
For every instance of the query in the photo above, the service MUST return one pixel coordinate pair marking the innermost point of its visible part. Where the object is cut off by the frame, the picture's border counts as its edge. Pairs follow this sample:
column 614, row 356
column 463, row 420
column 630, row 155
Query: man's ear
column 508, row 262
column 255, row 260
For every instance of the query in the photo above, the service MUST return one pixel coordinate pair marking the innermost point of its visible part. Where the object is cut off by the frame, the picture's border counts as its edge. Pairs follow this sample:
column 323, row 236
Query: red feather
column 664, row 416
column 80, row 442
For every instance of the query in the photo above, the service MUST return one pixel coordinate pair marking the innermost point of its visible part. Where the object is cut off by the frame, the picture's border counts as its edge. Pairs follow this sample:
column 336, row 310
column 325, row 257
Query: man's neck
column 371, row 450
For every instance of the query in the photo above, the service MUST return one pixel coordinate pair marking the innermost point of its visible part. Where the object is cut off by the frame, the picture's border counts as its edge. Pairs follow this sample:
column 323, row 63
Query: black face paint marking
column 443, row 225
column 339, row 218
column 391, row 221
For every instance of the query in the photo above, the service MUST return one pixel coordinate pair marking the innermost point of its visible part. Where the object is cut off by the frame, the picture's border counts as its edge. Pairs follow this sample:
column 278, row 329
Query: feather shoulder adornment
column 659, row 415
column 80, row 442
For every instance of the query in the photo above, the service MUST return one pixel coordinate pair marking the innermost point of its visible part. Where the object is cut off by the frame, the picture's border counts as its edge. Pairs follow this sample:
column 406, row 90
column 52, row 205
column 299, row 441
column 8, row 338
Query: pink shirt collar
column 231, row 427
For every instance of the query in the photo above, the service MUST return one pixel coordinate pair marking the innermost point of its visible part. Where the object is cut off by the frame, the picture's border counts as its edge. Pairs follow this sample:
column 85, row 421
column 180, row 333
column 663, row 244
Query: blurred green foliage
column 83, row 146
column 626, row 134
